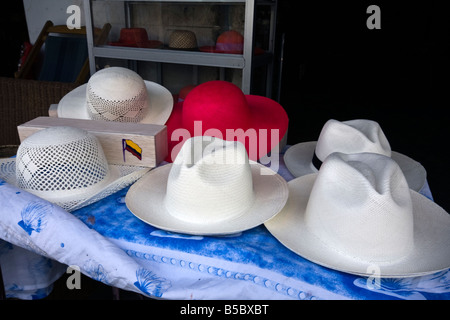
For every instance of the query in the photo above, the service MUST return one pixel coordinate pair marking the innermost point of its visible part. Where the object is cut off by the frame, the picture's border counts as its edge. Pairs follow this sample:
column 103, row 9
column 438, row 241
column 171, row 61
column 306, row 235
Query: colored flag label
column 133, row 148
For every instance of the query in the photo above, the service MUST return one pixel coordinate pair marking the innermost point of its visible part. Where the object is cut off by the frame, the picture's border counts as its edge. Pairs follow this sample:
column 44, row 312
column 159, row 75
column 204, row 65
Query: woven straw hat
column 357, row 214
column 66, row 166
column 118, row 94
column 183, row 39
column 210, row 189
column 353, row 136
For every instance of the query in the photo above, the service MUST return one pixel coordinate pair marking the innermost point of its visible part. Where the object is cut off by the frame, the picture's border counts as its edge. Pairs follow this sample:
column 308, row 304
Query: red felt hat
column 136, row 37
column 219, row 108
column 228, row 42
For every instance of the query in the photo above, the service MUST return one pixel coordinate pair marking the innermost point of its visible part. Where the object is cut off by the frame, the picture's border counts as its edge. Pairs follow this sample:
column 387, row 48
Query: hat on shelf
column 358, row 215
column 227, row 42
column 66, row 166
column 136, row 37
column 183, row 40
column 230, row 42
column 210, row 189
column 353, row 136
column 118, row 94
column 220, row 108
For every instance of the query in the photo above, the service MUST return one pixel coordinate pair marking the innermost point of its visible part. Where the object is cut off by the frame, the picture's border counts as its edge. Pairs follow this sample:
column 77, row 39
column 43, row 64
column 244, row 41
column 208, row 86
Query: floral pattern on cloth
column 36, row 249
column 135, row 256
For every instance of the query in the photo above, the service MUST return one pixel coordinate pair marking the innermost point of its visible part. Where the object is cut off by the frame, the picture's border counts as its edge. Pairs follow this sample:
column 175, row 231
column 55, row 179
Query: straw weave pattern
column 45, row 166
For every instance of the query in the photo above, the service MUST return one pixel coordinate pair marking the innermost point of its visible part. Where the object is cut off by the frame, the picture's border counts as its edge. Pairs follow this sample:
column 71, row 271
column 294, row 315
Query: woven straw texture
column 117, row 94
column 182, row 39
column 22, row 100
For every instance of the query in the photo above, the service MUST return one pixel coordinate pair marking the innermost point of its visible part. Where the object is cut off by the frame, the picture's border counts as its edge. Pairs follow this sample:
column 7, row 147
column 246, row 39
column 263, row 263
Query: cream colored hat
column 210, row 189
column 357, row 215
column 66, row 166
column 353, row 136
column 118, row 94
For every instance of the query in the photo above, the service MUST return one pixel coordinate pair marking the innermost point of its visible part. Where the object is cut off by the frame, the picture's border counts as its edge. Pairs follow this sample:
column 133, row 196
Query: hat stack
column 353, row 136
column 358, row 214
column 355, row 206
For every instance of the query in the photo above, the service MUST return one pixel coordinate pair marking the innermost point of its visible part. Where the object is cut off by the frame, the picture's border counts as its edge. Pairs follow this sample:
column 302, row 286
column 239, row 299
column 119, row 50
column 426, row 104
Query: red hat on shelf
column 231, row 42
column 136, row 37
column 228, row 42
column 221, row 109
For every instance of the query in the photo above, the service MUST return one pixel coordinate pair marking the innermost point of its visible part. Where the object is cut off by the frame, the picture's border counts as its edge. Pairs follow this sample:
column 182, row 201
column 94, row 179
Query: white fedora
column 66, row 166
column 357, row 215
column 118, row 94
column 353, row 136
column 210, row 189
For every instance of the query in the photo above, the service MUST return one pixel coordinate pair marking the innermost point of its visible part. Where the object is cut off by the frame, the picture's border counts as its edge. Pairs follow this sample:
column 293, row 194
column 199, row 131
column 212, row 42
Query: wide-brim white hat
column 45, row 167
column 298, row 161
column 119, row 177
column 74, row 104
column 430, row 240
column 148, row 198
column 299, row 157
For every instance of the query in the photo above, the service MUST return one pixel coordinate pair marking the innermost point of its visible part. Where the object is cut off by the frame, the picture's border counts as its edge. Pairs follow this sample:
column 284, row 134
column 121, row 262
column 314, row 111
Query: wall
column 37, row 12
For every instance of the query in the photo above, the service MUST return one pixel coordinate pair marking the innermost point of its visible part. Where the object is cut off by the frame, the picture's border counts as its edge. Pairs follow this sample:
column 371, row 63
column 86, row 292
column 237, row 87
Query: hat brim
column 74, row 104
column 431, row 237
column 266, row 114
column 145, row 200
column 119, row 177
column 298, row 160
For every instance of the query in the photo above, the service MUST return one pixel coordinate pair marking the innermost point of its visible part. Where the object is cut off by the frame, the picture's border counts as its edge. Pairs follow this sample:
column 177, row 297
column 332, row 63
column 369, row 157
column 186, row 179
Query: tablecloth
column 109, row 244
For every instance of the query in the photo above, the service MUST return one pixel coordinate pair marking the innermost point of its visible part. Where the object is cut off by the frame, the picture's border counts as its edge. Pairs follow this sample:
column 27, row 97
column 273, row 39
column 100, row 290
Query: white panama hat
column 118, row 94
column 357, row 215
column 66, row 166
column 210, row 189
column 353, row 136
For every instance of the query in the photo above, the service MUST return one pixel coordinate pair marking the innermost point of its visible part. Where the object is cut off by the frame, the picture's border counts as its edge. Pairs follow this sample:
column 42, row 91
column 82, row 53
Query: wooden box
column 135, row 144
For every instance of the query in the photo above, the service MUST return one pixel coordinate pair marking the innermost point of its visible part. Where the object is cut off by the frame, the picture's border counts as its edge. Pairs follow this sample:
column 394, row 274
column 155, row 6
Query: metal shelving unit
column 246, row 61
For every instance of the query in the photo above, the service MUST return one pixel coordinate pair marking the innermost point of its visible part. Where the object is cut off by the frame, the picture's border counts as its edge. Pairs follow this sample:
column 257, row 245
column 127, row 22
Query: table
column 109, row 244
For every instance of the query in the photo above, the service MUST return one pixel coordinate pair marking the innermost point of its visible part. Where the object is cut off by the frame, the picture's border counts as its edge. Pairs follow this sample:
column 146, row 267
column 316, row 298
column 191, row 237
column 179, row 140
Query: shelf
column 184, row 1
column 172, row 56
column 246, row 62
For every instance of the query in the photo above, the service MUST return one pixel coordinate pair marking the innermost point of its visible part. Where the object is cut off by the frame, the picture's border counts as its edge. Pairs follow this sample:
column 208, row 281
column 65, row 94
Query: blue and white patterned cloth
column 109, row 244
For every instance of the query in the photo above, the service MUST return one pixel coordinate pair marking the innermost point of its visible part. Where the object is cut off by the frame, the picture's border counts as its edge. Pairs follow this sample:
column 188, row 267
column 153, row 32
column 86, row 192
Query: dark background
column 335, row 67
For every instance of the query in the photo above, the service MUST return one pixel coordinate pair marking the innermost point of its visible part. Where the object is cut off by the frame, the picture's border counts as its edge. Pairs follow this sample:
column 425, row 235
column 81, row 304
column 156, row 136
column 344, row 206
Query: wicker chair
column 22, row 100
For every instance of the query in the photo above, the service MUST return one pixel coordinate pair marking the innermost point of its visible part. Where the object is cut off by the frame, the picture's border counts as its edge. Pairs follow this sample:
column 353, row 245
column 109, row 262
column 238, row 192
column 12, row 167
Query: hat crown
column 210, row 181
column 217, row 104
column 117, row 94
column 60, row 161
column 353, row 136
column 133, row 35
column 360, row 205
column 182, row 39
column 230, row 41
